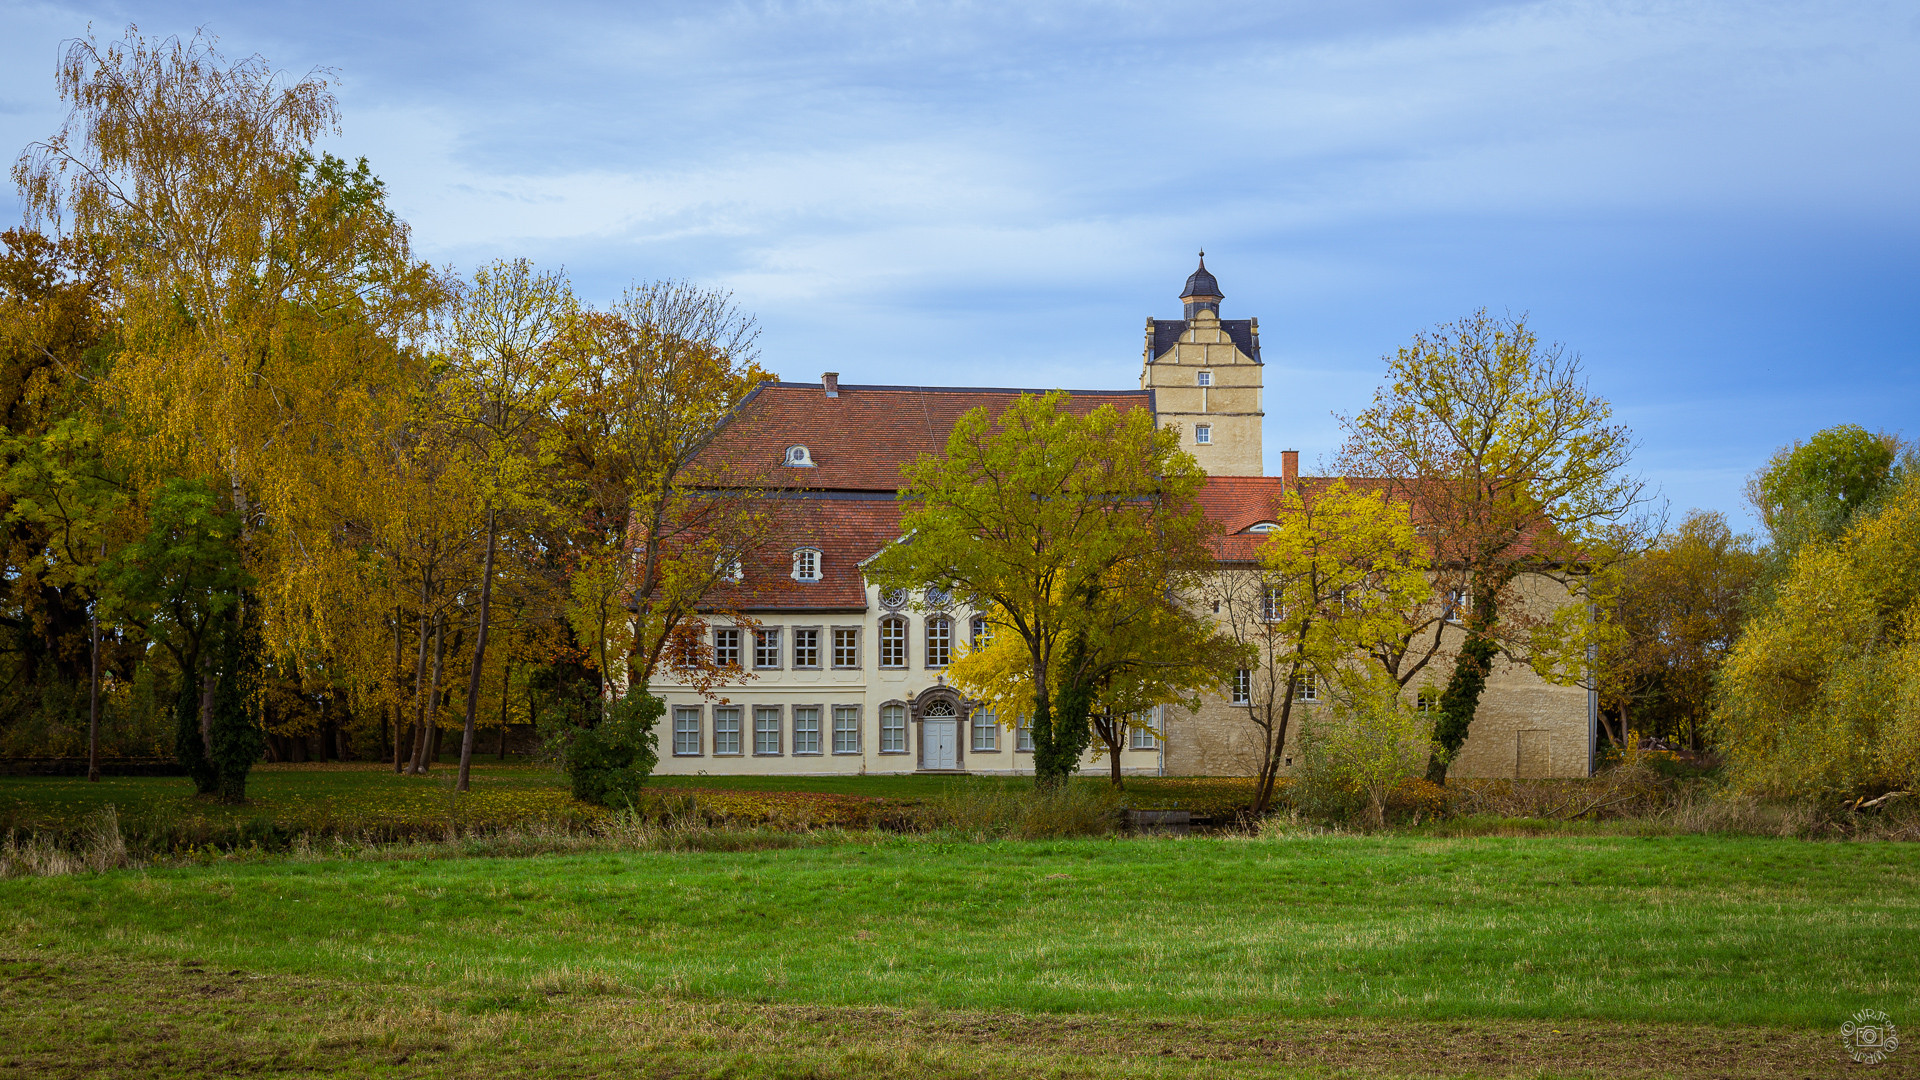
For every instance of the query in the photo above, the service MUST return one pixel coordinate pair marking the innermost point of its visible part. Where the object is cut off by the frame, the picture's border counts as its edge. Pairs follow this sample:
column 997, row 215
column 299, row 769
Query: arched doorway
column 940, row 737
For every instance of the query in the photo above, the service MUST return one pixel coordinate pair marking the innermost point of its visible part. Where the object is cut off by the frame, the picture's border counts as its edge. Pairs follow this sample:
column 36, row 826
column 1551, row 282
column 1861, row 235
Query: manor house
column 851, row 679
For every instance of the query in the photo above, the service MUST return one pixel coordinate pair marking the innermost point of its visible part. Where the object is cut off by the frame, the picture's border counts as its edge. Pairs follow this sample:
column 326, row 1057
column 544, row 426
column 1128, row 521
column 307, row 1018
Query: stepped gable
column 1166, row 332
column 860, row 438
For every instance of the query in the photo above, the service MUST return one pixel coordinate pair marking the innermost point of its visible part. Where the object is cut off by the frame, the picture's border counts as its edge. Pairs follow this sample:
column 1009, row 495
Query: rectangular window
column 806, row 729
column 939, row 642
column 846, row 729
column 1023, row 735
column 806, row 648
column 766, row 649
column 726, row 729
column 1206, row 378
column 1270, row 603
column 1140, row 729
column 893, row 643
column 980, row 633
column 893, row 729
column 686, row 731
column 1203, row 433
column 986, row 730
column 726, row 646
column 806, row 565
column 846, row 647
column 1306, row 687
column 1458, row 603
column 766, row 729
column 1427, row 701
column 1242, row 686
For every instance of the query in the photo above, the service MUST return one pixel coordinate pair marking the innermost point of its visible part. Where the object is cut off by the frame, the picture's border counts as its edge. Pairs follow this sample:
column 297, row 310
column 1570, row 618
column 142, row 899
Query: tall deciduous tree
column 260, row 289
column 1056, row 519
column 1337, row 576
column 1509, row 464
column 500, row 386
column 645, row 387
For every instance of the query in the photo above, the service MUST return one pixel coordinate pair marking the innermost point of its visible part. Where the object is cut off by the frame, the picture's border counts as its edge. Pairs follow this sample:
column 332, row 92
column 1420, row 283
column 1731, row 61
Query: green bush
column 608, row 763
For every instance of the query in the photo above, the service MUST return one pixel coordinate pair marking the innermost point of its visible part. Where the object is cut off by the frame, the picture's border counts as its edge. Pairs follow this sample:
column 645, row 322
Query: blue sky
column 1713, row 203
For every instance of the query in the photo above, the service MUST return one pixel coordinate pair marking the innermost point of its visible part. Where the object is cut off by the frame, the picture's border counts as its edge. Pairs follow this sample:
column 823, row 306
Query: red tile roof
column 845, row 528
column 860, row 440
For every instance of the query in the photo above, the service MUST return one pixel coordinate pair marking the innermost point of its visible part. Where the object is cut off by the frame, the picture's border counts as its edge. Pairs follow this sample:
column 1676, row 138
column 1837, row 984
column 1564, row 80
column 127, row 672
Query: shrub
column 1358, row 751
column 1027, row 813
column 608, row 763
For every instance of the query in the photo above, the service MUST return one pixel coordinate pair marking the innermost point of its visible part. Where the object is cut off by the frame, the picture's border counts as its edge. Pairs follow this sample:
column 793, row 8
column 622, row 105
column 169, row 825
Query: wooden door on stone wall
column 1531, row 757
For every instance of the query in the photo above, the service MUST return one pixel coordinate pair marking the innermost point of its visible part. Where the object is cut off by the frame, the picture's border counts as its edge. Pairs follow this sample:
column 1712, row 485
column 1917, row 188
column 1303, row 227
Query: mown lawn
column 1255, row 957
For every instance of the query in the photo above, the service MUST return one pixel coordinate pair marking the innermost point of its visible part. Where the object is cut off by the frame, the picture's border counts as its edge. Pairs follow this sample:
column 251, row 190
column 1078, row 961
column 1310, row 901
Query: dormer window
column 1206, row 378
column 798, row 458
column 1263, row 526
column 806, row 564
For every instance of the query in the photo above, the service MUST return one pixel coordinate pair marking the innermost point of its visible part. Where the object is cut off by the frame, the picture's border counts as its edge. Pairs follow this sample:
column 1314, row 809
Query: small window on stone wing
column 1203, row 433
column 798, row 458
column 806, row 564
column 1206, row 378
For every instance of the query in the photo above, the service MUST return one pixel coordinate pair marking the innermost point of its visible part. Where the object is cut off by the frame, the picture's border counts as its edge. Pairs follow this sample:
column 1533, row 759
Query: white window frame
column 806, row 642
column 686, row 731
column 798, row 457
column 726, row 642
column 1203, row 378
column 1306, row 686
column 893, row 728
column 846, row 643
column 893, row 646
column 806, row 729
column 846, row 729
column 766, row 642
column 766, row 721
column 939, row 642
column 807, row 564
column 1242, row 687
column 1023, row 735
column 986, row 732
column 1143, row 731
column 979, row 632
column 726, row 731
column 1269, row 603
column 1203, row 434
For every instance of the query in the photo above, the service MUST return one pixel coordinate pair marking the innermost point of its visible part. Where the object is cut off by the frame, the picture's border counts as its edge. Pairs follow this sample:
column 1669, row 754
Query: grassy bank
column 1694, row 930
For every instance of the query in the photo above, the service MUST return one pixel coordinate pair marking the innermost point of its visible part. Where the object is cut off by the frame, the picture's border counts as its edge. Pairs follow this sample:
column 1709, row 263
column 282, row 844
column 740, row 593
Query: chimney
column 1289, row 468
column 831, row 380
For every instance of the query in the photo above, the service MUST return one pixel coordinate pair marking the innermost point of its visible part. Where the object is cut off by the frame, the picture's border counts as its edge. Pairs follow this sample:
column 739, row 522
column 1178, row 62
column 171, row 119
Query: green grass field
column 1741, row 942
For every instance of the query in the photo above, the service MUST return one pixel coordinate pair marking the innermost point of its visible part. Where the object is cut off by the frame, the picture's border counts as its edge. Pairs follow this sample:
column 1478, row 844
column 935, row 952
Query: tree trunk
column 506, row 684
column 419, row 688
column 93, row 703
column 1462, row 696
column 479, row 659
column 429, row 719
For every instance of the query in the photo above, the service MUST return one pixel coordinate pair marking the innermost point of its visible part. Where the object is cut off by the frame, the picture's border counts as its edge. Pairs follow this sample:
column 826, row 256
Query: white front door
column 940, row 743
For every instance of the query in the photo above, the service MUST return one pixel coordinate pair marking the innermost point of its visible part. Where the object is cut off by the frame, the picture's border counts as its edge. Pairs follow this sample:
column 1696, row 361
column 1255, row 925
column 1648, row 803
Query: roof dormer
column 798, row 458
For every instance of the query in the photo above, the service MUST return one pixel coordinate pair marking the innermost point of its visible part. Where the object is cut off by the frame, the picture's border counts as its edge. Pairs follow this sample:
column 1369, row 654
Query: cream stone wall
column 1524, row 726
column 1230, row 407
column 867, row 687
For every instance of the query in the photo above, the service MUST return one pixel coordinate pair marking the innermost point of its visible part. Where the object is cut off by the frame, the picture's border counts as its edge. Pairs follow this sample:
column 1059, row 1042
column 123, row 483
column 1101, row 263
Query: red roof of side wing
column 861, row 439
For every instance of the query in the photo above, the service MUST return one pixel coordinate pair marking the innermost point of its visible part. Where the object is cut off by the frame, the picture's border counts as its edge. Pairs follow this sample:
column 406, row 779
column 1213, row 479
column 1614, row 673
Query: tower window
column 1203, row 433
column 1206, row 378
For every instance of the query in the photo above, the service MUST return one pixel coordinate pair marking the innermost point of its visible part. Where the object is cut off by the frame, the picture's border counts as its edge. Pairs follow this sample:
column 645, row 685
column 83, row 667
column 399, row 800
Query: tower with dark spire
column 1205, row 373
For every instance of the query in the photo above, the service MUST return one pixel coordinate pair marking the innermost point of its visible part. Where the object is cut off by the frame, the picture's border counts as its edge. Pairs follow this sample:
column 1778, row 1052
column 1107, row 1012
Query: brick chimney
column 1289, row 468
column 831, row 380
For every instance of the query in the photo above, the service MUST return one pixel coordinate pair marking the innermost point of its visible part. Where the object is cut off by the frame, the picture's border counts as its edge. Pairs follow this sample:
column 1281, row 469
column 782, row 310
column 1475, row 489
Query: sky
column 1713, row 204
